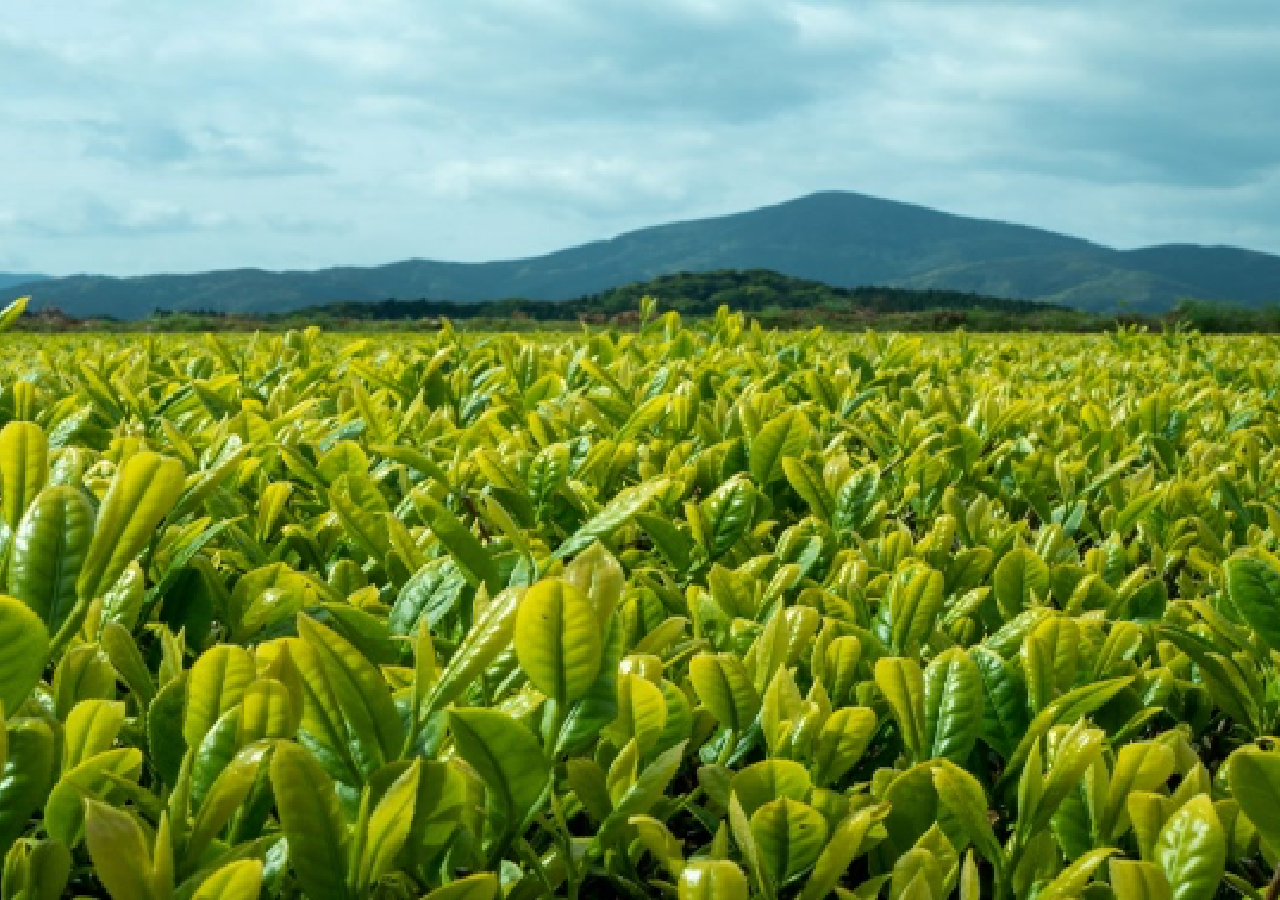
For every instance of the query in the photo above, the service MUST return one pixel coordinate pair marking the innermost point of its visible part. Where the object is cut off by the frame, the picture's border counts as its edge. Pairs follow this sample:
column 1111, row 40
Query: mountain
column 8, row 280
column 842, row 239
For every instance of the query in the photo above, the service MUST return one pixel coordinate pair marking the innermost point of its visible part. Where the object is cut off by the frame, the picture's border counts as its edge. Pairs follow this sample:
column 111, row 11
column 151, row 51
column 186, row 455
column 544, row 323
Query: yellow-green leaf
column 558, row 640
column 239, row 880
column 1254, row 776
column 725, row 689
column 26, row 650
column 1192, row 850
column 790, row 835
column 712, row 879
column 508, row 759
column 24, row 466
column 120, row 852
column 141, row 494
column 312, row 822
column 11, row 312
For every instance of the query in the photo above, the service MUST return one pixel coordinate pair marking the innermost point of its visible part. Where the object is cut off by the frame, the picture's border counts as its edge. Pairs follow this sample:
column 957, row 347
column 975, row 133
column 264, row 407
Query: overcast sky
column 179, row 135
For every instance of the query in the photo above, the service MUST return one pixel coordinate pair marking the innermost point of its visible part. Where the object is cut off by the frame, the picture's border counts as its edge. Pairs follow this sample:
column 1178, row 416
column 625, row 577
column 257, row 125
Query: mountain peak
column 843, row 238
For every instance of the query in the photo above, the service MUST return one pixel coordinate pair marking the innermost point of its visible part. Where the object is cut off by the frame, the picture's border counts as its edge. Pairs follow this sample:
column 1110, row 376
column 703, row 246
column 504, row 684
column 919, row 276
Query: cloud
column 90, row 217
column 204, row 150
column 277, row 133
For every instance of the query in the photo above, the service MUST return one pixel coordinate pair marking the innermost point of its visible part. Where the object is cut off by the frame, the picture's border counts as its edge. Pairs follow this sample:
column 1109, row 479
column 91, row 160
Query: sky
column 165, row 136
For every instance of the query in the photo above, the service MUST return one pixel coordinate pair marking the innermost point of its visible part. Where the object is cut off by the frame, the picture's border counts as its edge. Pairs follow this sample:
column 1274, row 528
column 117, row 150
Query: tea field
column 692, row 611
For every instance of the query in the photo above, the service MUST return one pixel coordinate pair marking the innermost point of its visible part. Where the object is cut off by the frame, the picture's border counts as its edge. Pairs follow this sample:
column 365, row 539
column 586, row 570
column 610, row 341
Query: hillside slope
column 842, row 239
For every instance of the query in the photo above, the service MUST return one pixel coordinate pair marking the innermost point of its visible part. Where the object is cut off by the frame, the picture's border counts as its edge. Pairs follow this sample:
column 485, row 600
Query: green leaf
column 30, row 766
column 599, row 707
column 598, row 575
column 919, row 874
column 743, row 836
column 964, row 796
column 26, row 650
column 490, row 635
column 673, row 542
column 724, row 517
column 1075, row 749
column 647, row 790
column 216, row 684
column 123, row 601
column 558, row 640
column 1134, row 511
column 587, row 780
column 917, row 888
column 432, row 593
column 1050, row 659
column 36, row 870
column 353, row 695
column 785, row 435
column 95, row 777
column 1019, row 576
column 473, row 559
column 712, row 879
column 127, row 660
column 165, row 716
column 1066, row 710
column 312, row 822
column 659, row 841
column 914, row 599
column 1254, row 589
column 725, row 689
column 842, row 740
column 850, row 839
column 1141, row 766
column 616, row 513
column 121, row 853
column 1004, row 709
column 268, row 710
column 141, row 494
column 91, row 728
column 1071, row 881
column 12, row 312
column 1254, row 777
column 642, row 713
column 225, row 797
column 445, row 800
column 483, row 886
column 1138, row 880
column 24, row 466
column 362, row 526
column 790, row 835
column 232, row 452
column 856, row 498
column 809, row 485
column 1147, row 811
column 508, row 759
column 952, row 706
column 239, row 880
column 388, row 828
column 213, row 755
column 970, row 878
column 902, row 684
column 1192, row 850
column 769, row 780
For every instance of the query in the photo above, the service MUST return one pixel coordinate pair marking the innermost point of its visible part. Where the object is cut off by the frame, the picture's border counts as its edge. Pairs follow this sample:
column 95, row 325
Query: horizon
column 201, row 137
column 481, row 262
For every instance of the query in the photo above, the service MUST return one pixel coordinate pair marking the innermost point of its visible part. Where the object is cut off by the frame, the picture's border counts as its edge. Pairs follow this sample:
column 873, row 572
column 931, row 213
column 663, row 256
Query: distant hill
column 841, row 239
column 761, row 290
column 701, row 293
column 8, row 280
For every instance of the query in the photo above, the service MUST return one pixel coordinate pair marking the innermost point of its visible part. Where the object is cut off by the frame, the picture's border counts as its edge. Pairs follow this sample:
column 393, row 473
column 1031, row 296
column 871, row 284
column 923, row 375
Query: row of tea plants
column 697, row 611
